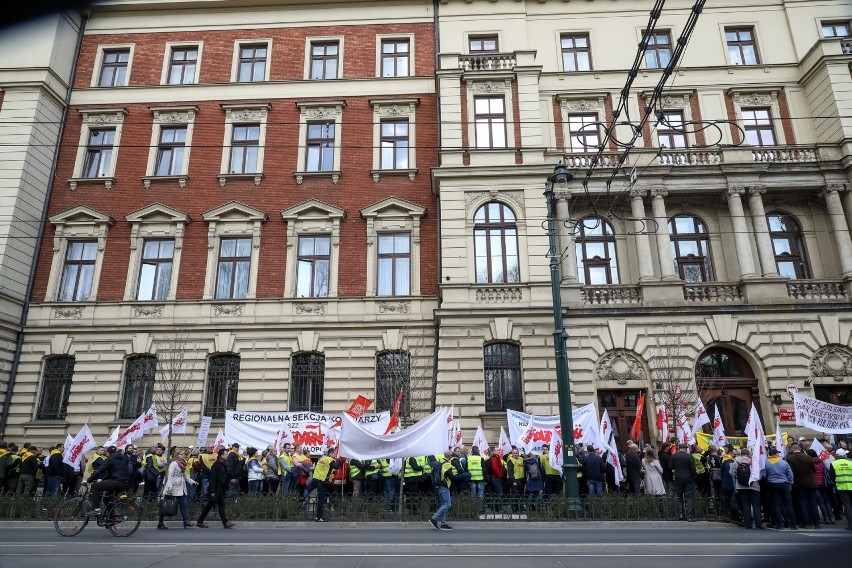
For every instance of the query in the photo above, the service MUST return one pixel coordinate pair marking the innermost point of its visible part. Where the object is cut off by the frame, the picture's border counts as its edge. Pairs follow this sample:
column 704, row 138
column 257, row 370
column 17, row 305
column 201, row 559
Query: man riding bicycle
column 114, row 475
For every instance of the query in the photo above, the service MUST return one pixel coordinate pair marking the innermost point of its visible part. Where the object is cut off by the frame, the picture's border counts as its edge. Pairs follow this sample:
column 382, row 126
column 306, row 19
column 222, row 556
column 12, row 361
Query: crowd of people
column 796, row 491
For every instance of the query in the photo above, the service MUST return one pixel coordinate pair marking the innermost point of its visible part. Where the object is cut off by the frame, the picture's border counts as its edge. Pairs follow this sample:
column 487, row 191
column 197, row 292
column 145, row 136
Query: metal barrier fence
column 415, row 507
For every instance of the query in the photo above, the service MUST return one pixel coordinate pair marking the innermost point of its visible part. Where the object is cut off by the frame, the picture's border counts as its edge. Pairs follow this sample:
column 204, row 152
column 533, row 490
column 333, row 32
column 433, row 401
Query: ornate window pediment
column 232, row 220
column 78, row 224
column 620, row 365
column 833, row 361
column 312, row 219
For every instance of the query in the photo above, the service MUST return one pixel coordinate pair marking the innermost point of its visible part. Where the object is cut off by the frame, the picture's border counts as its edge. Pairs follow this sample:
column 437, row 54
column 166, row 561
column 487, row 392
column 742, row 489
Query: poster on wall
column 259, row 429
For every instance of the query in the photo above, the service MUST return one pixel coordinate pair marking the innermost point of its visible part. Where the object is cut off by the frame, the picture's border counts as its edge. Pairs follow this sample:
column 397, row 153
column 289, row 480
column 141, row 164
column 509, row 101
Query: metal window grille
column 56, row 385
column 393, row 376
column 223, row 380
column 139, row 373
column 307, row 377
column 503, row 388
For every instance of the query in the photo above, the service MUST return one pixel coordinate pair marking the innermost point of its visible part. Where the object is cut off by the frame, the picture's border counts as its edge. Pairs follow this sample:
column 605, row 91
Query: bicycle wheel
column 124, row 517
column 70, row 517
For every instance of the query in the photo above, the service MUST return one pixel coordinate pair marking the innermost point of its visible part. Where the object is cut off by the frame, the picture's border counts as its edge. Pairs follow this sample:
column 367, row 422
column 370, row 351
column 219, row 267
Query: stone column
column 664, row 242
column 565, row 231
column 842, row 241
column 745, row 260
column 640, row 227
column 765, row 252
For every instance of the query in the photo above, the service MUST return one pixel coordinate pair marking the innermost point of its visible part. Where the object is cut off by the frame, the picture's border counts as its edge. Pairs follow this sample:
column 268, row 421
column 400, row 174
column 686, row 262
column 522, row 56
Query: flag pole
column 402, row 484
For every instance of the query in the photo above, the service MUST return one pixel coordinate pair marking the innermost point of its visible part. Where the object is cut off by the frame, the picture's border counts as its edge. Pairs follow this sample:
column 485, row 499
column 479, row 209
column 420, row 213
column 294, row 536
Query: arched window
column 223, row 381
column 307, row 376
column 595, row 242
column 139, row 374
column 495, row 237
column 503, row 390
column 56, row 385
column 725, row 379
column 393, row 376
column 788, row 245
column 690, row 248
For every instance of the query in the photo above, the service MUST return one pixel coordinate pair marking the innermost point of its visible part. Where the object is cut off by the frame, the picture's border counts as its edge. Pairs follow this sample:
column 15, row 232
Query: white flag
column 684, row 430
column 283, row 436
column 220, row 441
column 164, row 433
column 450, row 417
column 179, row 422
column 555, row 456
column 607, row 437
column 149, row 419
column 134, row 431
column 701, row 418
column 779, row 440
column 82, row 443
column 479, row 440
column 113, row 438
column 425, row 437
column 756, row 443
column 504, row 447
column 822, row 454
column 663, row 422
column 458, row 439
column 719, row 438
column 68, row 441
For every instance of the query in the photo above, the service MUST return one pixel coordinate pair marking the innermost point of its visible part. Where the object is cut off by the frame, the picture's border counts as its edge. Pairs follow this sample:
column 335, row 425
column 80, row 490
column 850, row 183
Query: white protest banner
column 585, row 427
column 608, row 445
column 426, row 437
column 203, row 432
column 822, row 416
column 260, row 429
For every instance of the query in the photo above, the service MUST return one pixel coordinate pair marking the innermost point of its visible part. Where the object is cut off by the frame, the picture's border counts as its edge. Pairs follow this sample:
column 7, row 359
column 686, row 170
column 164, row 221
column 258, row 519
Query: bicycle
column 121, row 515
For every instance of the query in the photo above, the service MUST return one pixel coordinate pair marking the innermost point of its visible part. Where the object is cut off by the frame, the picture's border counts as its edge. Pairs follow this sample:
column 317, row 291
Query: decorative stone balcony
column 611, row 294
column 792, row 154
column 488, row 62
column 712, row 292
column 816, row 289
column 694, row 157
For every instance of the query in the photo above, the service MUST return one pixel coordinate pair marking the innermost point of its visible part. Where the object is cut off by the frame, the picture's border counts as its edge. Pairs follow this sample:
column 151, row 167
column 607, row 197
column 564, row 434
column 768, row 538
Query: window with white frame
column 183, row 63
column 489, row 117
column 394, row 144
column 393, row 247
column 319, row 136
column 245, row 138
column 78, row 244
column 394, row 265
column 495, row 234
column 394, row 129
column 97, row 150
column 251, row 61
column 156, row 242
column 233, row 245
column 171, row 141
column 758, row 113
column 112, row 66
column 313, row 251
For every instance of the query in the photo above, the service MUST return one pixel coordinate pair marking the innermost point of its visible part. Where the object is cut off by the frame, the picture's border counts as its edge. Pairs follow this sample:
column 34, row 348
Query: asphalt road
column 386, row 545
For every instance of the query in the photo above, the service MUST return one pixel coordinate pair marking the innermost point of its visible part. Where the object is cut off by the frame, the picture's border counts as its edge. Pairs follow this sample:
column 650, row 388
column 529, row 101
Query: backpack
column 435, row 474
column 743, row 473
column 533, row 471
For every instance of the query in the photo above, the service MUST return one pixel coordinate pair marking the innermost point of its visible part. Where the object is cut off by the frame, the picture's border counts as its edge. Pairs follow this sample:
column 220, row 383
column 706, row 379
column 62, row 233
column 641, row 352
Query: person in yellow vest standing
column 552, row 476
column 476, row 469
column 289, row 477
column 515, row 476
column 442, row 480
column 841, row 474
column 323, row 472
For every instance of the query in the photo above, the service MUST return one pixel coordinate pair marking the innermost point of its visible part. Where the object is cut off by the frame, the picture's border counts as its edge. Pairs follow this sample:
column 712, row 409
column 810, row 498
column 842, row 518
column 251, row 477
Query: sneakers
column 96, row 511
column 446, row 527
column 434, row 524
column 319, row 520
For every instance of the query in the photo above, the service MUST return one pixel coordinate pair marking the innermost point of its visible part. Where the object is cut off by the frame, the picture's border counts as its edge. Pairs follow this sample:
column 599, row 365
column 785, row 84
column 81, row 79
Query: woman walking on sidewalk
column 174, row 485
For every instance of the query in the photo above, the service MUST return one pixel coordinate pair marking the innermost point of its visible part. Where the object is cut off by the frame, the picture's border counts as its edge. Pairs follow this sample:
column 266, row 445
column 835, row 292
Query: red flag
column 394, row 420
column 359, row 407
column 660, row 420
column 636, row 430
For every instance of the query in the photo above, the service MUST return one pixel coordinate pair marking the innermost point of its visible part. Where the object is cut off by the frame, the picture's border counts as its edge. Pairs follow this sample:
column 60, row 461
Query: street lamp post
column 570, row 465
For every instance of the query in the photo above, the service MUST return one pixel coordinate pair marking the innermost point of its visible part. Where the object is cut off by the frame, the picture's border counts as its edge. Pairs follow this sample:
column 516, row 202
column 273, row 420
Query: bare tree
column 175, row 367
column 407, row 371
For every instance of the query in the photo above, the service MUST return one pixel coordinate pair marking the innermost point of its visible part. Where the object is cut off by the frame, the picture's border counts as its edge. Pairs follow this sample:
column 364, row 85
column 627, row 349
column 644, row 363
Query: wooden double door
column 621, row 407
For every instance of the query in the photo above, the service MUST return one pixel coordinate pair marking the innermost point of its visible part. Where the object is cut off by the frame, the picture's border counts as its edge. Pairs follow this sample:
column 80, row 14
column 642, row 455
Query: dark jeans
column 552, row 484
column 183, row 505
column 781, row 504
column 322, row 491
column 750, row 507
column 824, row 501
column 685, row 495
column 51, row 484
column 103, row 486
column 808, row 506
column 150, row 486
column 214, row 499
column 846, row 499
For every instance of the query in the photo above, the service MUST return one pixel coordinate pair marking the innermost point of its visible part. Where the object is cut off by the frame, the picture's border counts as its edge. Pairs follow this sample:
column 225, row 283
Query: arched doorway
column 725, row 378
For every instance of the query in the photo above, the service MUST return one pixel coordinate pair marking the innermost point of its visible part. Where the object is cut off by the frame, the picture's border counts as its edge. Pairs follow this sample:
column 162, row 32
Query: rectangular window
column 312, row 267
column 394, row 143
column 252, row 63
column 480, row 44
column 155, row 272
column 575, row 53
column 324, row 60
column 319, row 147
column 139, row 375
column 490, row 122
column 393, row 376
column 395, row 58
column 757, row 123
column 78, row 272
column 742, row 48
column 56, row 386
column 503, row 385
column 99, row 153
column 394, row 265
column 232, row 277
column 583, row 133
column 182, row 65
column 307, row 382
column 670, row 131
column 170, row 151
column 659, row 50
column 223, row 381
column 245, row 141
column 114, row 68
column 835, row 29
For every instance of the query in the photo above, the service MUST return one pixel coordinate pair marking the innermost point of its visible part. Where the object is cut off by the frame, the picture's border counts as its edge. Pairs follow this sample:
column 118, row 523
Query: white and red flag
column 450, row 418
column 719, row 438
column 701, row 418
column 608, row 445
column 756, row 443
column 555, row 455
column 134, row 431
column 779, row 440
column 479, row 440
column 683, row 430
column 179, row 422
column 359, row 407
column 149, row 419
column 458, row 439
column 283, row 436
column 82, row 443
column 220, row 441
column 113, row 438
column 504, row 446
column 823, row 454
column 663, row 423
column 394, row 419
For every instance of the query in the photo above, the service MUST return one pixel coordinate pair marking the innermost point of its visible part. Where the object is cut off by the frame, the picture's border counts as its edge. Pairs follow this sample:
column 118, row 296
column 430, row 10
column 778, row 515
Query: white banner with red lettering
column 585, row 427
column 261, row 429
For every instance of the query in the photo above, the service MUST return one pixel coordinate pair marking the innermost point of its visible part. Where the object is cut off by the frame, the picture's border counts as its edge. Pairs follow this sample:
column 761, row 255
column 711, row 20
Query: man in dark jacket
column 234, row 465
column 219, row 482
column 634, row 468
column 684, row 477
column 666, row 463
column 114, row 475
column 54, row 470
column 30, row 466
column 804, row 486
column 594, row 470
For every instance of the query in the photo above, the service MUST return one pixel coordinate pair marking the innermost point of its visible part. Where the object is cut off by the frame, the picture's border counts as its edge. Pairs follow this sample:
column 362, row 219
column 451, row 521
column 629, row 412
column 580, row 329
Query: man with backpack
column 441, row 481
column 748, row 492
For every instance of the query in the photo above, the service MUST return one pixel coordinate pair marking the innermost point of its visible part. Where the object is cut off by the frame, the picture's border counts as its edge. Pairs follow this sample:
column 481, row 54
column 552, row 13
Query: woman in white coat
column 174, row 484
column 653, row 474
